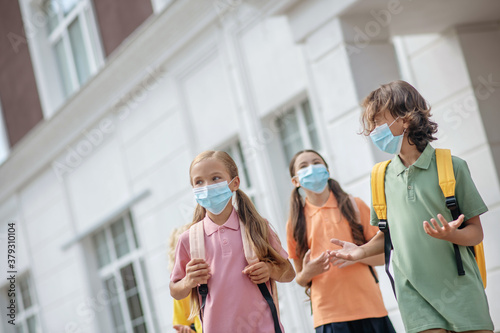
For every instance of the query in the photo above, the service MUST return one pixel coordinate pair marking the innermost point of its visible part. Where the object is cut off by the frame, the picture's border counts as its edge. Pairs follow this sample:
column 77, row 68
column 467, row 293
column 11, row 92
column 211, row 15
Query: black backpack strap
column 373, row 273
column 269, row 299
column 203, row 291
column 451, row 203
column 384, row 227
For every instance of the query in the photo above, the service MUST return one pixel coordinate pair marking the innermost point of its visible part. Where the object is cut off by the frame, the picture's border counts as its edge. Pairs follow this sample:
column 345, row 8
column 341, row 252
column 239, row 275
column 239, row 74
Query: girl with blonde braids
column 234, row 302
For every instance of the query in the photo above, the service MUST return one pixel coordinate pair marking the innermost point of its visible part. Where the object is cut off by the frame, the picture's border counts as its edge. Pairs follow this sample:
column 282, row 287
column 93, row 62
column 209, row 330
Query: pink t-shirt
column 234, row 303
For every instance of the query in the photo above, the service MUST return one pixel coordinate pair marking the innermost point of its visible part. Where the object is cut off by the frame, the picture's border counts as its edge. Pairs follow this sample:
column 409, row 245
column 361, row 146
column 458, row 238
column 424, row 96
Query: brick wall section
column 117, row 19
column 18, row 91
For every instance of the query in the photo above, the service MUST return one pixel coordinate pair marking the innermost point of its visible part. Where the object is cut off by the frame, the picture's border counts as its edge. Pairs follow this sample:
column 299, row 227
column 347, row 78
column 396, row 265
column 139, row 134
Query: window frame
column 299, row 109
column 83, row 12
column 112, row 269
column 235, row 150
column 4, row 140
column 24, row 314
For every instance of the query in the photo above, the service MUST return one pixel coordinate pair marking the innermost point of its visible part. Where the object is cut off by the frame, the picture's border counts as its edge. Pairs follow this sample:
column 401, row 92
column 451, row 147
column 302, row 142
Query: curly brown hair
column 402, row 100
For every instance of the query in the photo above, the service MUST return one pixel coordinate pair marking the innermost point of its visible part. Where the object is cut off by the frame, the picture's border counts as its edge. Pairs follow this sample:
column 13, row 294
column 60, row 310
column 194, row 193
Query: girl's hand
column 349, row 251
column 446, row 231
column 197, row 272
column 258, row 272
column 183, row 329
column 315, row 266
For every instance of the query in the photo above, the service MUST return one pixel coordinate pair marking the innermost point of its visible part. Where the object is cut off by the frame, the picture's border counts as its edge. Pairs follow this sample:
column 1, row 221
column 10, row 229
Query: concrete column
column 347, row 58
column 480, row 47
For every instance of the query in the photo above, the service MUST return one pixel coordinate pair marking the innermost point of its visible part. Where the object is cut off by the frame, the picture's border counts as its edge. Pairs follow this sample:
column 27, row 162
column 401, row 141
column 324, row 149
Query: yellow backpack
column 447, row 183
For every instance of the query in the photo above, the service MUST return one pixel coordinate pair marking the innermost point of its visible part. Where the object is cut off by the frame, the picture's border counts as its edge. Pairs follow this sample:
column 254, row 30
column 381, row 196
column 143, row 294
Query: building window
column 123, row 276
column 26, row 320
column 72, row 37
column 235, row 151
column 4, row 141
column 298, row 130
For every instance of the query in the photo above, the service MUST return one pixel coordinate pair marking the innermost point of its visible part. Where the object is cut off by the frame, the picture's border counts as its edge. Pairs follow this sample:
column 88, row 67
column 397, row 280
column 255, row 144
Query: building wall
column 226, row 82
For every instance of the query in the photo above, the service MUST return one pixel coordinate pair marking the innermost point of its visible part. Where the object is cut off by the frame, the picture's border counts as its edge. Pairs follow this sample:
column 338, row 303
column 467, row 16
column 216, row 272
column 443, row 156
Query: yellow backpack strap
column 380, row 207
column 481, row 261
column 447, row 183
column 445, row 173
column 378, row 190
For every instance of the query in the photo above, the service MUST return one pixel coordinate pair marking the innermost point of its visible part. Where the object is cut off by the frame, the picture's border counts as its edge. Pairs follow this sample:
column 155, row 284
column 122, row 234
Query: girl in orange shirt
column 345, row 296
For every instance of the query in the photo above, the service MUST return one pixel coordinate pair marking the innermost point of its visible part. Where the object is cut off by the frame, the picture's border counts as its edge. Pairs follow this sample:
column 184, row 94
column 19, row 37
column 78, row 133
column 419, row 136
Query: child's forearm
column 470, row 235
column 282, row 273
column 376, row 260
column 179, row 290
column 374, row 247
column 302, row 279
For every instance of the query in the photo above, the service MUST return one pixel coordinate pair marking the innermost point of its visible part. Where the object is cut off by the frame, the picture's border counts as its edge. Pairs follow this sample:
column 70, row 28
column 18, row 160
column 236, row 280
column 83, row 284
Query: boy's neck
column 409, row 154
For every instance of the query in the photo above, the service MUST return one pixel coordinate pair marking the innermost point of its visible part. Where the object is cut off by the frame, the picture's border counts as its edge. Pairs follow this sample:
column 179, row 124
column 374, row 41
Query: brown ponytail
column 348, row 211
column 257, row 229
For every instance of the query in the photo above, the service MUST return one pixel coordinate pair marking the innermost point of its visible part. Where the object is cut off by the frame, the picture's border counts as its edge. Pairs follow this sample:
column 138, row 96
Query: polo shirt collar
column 232, row 223
column 311, row 209
column 423, row 161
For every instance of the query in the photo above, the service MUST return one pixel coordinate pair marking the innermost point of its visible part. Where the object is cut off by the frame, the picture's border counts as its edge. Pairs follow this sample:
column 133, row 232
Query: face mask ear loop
column 231, row 182
column 394, row 121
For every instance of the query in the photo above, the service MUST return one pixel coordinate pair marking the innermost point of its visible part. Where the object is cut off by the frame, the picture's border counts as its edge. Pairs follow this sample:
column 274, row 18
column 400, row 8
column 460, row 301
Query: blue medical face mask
column 214, row 197
column 314, row 178
column 383, row 138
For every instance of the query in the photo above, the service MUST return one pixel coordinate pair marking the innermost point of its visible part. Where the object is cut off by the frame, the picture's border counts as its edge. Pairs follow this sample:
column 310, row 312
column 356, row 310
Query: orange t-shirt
column 340, row 294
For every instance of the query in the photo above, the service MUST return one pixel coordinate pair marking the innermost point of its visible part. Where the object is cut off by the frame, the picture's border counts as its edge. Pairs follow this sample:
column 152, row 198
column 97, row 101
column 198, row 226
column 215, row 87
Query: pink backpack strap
column 250, row 255
column 356, row 208
column 197, row 241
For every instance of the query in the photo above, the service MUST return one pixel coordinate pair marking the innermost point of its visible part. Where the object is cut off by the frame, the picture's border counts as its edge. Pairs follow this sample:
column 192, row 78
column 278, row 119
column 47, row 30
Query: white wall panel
column 154, row 98
column 99, row 185
column 459, row 122
column 165, row 183
column 335, row 86
column 163, row 138
column 31, row 196
column 440, row 71
column 274, row 64
column 351, row 151
column 210, row 103
column 483, row 173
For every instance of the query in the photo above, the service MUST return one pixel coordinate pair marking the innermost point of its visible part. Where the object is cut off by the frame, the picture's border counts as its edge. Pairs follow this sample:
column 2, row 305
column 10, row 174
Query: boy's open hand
column 349, row 251
column 197, row 272
column 348, row 246
column 443, row 232
column 258, row 272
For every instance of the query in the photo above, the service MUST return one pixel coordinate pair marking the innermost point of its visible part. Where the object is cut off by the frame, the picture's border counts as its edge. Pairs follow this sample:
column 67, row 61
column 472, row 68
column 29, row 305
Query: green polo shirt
column 430, row 292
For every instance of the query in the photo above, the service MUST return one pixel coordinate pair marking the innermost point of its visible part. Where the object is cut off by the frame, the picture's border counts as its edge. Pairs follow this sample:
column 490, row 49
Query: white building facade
column 95, row 189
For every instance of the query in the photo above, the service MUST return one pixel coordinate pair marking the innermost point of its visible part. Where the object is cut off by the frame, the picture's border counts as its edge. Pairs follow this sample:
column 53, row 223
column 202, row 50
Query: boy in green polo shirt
column 432, row 297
